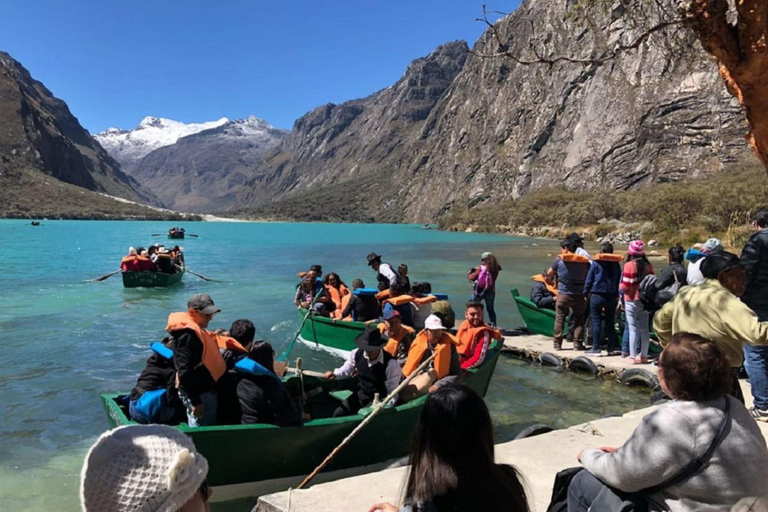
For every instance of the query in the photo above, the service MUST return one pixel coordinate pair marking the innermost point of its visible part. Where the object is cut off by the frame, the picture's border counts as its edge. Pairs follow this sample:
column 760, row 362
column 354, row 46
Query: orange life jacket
column 393, row 345
column 212, row 359
column 398, row 301
column 344, row 303
column 442, row 363
column 427, row 299
column 468, row 337
column 603, row 256
column 383, row 294
column 337, row 295
column 573, row 258
column 550, row 287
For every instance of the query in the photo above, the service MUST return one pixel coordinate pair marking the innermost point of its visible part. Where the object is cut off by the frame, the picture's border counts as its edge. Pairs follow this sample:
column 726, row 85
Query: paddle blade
column 104, row 277
column 190, row 234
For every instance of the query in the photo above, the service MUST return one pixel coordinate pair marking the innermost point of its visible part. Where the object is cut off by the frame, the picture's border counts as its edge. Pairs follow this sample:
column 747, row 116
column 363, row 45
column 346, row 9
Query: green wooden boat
column 323, row 333
column 537, row 320
column 252, row 460
column 149, row 279
column 176, row 236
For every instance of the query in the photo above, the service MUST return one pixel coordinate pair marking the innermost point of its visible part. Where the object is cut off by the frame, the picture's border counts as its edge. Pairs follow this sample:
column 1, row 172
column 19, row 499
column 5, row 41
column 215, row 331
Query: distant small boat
column 35, row 223
column 151, row 279
column 176, row 235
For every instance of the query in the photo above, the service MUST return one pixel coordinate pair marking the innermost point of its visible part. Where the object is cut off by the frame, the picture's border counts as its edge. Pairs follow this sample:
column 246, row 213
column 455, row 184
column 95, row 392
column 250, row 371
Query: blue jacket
column 603, row 277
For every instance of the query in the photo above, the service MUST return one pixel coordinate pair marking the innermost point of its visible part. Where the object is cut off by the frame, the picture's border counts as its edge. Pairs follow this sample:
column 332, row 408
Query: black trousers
column 349, row 406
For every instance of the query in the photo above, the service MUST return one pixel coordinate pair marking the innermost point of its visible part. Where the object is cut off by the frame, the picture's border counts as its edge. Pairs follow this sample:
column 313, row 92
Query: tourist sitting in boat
column 147, row 468
column 337, row 291
column 178, row 256
column 377, row 372
column 571, row 271
column 444, row 369
column 474, row 336
column 451, row 466
column 262, row 396
column 402, row 271
column 317, row 269
column 363, row 305
column 311, row 293
column 385, row 275
column 197, row 359
column 713, row 310
column 130, row 263
column 544, row 291
column 155, row 399
column 421, row 309
column 164, row 261
column 707, row 449
column 399, row 336
column 602, row 291
column 398, row 301
column 242, row 332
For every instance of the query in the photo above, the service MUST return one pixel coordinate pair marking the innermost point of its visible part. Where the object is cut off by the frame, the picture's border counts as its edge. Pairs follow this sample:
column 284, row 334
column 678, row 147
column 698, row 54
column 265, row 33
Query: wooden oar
column 190, row 234
column 288, row 349
column 104, row 277
column 376, row 408
column 200, row 275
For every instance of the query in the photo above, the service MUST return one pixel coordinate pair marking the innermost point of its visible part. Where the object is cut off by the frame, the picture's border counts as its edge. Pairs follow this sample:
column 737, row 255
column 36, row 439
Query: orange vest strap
column 212, row 359
column 383, row 294
column 228, row 343
column 399, row 300
column 550, row 287
column 427, row 299
column 616, row 258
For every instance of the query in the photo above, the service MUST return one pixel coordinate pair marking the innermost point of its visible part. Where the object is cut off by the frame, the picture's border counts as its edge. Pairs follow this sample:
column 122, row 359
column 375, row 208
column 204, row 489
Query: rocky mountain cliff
column 39, row 136
column 459, row 130
column 201, row 172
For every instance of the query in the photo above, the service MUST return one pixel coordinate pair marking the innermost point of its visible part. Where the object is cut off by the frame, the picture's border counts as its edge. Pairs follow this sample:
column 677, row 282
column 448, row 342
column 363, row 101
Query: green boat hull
column 248, row 454
column 542, row 321
column 147, row 279
column 333, row 336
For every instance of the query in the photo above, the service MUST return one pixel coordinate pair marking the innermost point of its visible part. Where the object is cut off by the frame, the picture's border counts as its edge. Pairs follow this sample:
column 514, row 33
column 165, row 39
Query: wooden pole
column 376, row 408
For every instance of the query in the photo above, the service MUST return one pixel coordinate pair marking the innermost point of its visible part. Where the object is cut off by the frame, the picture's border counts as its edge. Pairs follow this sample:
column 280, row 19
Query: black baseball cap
column 203, row 303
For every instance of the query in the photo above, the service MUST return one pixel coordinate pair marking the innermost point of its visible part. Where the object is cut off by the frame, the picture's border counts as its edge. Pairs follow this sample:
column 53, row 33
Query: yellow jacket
column 713, row 312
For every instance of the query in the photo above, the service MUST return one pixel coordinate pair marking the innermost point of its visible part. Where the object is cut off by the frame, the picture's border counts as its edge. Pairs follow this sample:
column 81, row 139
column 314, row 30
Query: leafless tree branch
column 505, row 52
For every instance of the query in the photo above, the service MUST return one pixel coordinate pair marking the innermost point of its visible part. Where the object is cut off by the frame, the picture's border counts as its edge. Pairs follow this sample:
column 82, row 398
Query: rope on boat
column 376, row 409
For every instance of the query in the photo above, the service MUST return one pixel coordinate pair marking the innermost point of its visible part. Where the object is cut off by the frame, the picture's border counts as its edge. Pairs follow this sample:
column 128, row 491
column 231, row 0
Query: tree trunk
column 741, row 51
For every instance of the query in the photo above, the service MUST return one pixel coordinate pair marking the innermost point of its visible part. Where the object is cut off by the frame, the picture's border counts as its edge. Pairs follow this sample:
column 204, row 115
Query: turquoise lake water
column 66, row 341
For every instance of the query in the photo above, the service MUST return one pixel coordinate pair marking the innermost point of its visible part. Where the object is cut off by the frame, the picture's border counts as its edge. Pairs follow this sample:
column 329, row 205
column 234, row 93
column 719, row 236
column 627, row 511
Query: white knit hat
column 141, row 468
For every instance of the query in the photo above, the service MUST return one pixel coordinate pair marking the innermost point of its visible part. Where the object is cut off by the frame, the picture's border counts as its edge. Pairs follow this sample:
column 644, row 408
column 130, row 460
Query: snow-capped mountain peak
column 130, row 146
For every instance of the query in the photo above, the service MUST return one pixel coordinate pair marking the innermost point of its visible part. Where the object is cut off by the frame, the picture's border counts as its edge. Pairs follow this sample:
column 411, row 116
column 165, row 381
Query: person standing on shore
column 602, row 292
column 754, row 257
column 713, row 310
column 484, row 280
column 638, row 318
column 571, row 270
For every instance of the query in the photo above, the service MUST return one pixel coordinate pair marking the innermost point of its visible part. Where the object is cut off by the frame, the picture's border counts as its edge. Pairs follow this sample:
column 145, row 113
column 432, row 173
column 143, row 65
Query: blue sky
column 116, row 61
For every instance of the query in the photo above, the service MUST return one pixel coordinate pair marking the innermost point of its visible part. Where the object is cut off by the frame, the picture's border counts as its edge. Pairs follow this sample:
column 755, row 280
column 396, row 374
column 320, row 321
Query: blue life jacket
column 366, row 291
column 251, row 367
column 161, row 350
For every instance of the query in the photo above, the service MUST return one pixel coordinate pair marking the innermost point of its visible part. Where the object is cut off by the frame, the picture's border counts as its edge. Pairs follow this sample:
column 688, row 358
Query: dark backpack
column 648, row 292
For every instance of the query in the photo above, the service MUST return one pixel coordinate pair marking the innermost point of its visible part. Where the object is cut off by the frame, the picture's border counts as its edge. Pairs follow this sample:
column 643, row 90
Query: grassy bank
column 683, row 212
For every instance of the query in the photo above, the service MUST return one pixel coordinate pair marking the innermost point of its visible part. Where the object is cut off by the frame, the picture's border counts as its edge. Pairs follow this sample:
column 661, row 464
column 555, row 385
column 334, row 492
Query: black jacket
column 263, row 400
column 755, row 259
column 158, row 374
column 194, row 378
column 667, row 276
column 365, row 307
column 542, row 297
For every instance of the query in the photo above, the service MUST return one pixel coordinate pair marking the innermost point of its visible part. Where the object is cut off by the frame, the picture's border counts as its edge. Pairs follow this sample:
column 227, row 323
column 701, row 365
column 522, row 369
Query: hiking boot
column 558, row 345
column 577, row 345
column 758, row 414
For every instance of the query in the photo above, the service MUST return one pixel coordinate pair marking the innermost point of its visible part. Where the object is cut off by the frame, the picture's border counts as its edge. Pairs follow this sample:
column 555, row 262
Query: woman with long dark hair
column 452, row 464
column 337, row 290
column 638, row 318
column 484, row 280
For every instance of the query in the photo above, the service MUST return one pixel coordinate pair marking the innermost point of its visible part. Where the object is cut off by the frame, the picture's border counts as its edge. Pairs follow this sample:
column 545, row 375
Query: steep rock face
column 335, row 143
column 452, row 133
column 39, row 133
column 201, row 172
column 503, row 128
column 129, row 146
